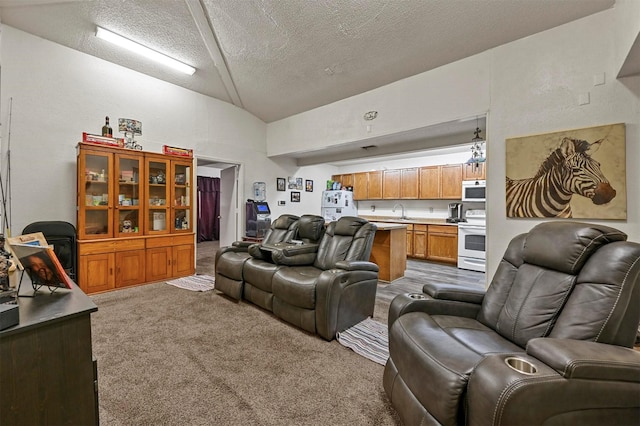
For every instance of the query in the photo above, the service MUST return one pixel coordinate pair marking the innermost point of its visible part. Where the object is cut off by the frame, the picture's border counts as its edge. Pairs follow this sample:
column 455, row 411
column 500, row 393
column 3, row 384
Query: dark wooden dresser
column 47, row 372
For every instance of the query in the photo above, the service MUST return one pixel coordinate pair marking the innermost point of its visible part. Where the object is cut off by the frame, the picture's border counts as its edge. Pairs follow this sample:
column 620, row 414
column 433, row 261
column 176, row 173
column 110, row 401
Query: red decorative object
column 102, row 140
column 180, row 152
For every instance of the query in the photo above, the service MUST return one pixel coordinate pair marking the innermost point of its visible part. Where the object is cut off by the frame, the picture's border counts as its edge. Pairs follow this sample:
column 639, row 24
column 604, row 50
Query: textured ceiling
column 277, row 58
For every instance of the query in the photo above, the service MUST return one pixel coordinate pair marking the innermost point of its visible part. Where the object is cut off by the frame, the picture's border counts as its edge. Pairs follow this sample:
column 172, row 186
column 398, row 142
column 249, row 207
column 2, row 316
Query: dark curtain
column 208, row 208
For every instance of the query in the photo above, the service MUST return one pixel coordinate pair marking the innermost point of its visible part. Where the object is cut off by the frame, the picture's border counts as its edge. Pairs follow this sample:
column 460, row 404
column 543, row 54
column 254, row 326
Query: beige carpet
column 168, row 356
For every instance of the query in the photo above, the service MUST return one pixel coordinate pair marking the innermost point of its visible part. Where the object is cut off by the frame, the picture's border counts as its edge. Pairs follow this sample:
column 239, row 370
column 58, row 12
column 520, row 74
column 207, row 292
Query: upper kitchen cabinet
column 375, row 185
column 441, row 182
column 361, row 186
column 451, row 182
column 409, row 184
column 475, row 171
column 345, row 180
column 391, row 184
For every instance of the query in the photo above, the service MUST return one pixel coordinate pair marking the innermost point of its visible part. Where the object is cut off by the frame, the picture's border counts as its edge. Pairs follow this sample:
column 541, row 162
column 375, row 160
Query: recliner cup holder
column 416, row 296
column 521, row 365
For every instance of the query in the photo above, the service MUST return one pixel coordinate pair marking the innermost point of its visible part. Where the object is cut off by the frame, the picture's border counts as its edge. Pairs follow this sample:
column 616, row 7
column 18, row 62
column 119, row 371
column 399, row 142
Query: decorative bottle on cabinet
column 106, row 129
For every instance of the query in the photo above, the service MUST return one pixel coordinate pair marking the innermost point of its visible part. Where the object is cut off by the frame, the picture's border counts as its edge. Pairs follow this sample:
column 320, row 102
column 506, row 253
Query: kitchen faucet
column 394, row 209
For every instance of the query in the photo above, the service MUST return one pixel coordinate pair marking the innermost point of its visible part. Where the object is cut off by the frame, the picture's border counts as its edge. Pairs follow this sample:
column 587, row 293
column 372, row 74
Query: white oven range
column 472, row 241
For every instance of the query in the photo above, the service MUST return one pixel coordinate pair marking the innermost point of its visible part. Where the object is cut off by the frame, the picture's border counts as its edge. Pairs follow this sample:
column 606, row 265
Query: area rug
column 368, row 338
column 194, row 282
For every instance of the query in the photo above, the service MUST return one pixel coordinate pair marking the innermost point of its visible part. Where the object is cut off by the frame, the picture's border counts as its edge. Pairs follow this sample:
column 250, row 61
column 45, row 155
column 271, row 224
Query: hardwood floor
column 418, row 273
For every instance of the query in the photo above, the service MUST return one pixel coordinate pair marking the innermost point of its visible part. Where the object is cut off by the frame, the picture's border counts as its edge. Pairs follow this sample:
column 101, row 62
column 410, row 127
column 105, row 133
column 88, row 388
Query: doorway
column 217, row 210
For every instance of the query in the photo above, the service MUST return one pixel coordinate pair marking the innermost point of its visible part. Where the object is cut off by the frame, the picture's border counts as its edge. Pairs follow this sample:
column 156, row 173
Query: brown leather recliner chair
column 230, row 260
column 550, row 341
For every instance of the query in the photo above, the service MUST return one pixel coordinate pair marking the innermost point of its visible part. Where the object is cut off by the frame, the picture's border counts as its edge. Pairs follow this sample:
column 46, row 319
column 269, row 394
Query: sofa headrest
column 566, row 246
column 284, row 221
column 310, row 228
column 349, row 225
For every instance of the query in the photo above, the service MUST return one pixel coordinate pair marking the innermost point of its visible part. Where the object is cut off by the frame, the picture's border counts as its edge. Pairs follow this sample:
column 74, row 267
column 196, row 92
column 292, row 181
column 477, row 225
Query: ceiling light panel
column 143, row 51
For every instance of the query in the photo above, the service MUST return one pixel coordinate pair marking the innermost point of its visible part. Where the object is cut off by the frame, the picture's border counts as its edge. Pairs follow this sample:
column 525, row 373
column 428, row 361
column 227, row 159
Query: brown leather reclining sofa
column 319, row 280
column 550, row 342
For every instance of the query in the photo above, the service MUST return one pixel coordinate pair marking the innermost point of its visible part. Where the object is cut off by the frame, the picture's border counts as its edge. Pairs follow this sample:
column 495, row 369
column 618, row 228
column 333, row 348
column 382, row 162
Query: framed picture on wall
column 295, row 196
column 281, row 184
column 308, row 185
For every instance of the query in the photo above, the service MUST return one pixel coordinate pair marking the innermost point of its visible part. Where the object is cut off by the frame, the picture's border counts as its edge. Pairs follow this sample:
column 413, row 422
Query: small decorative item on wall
column 295, row 183
column 295, row 197
column 291, row 182
column 281, row 184
column 308, row 185
column 575, row 173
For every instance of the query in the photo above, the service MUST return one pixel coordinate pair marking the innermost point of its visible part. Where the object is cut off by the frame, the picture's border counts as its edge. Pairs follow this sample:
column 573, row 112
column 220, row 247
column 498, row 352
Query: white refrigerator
column 336, row 204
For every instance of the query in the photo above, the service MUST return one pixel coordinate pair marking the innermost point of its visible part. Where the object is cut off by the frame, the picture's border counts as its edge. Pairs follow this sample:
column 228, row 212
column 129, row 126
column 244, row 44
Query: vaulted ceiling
column 277, row 58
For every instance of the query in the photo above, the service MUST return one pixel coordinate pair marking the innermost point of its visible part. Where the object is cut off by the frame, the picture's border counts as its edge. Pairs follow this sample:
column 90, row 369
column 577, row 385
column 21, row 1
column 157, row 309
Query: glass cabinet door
column 129, row 193
column 95, row 195
column 181, row 196
column 157, row 193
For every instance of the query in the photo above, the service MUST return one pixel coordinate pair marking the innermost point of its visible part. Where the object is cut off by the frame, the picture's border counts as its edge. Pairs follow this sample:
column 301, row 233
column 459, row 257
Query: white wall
column 527, row 87
column 57, row 93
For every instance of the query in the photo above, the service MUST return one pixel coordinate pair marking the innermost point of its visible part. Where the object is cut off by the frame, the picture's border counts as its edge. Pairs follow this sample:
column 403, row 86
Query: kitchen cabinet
column 391, row 184
column 429, row 182
column 442, row 243
column 409, row 184
column 441, row 182
column 344, row 179
column 361, row 186
column 420, row 242
column 375, row 185
column 475, row 171
column 410, row 240
column 126, row 200
column 451, row 181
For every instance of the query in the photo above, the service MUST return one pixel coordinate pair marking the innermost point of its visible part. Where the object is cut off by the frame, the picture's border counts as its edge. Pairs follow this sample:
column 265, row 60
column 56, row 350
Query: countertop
column 419, row 221
column 386, row 226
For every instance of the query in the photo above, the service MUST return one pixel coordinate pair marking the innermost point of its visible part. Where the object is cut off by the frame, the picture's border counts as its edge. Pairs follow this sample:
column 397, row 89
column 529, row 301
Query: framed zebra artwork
column 570, row 174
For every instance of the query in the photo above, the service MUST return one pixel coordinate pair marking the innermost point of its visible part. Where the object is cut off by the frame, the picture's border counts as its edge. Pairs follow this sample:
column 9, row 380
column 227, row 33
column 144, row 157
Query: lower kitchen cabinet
column 410, row 240
column 420, row 241
column 442, row 243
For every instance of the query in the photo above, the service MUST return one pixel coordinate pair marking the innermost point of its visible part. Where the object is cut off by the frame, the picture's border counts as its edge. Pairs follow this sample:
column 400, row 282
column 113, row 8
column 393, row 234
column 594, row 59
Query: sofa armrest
column 564, row 386
column 420, row 302
column 292, row 254
column 578, row 359
column 455, row 292
column 357, row 265
column 242, row 244
column 344, row 297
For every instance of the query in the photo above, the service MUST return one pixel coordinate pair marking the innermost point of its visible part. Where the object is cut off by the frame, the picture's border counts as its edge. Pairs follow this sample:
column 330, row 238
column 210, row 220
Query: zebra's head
column 583, row 174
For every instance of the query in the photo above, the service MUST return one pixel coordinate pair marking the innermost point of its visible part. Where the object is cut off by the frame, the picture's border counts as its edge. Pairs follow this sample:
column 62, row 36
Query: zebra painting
column 568, row 170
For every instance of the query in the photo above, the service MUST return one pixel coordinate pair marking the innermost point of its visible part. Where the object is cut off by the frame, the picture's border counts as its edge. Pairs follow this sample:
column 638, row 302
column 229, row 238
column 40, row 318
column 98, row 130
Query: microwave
column 474, row 190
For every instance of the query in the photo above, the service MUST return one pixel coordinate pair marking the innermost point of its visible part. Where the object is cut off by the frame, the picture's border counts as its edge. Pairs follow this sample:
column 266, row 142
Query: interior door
column 229, row 205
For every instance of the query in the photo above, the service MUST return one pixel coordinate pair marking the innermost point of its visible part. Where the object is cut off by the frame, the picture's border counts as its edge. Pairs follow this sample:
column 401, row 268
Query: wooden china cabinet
column 132, row 205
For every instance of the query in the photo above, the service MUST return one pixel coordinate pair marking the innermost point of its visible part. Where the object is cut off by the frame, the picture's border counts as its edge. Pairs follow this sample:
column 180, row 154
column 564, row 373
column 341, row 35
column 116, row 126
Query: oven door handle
column 473, row 227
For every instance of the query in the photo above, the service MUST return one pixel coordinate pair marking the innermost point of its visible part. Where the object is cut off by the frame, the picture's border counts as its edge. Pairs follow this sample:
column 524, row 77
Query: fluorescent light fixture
column 144, row 51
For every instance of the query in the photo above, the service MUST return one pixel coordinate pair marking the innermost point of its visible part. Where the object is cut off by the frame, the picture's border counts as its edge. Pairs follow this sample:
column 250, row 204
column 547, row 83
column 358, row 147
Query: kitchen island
column 389, row 250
